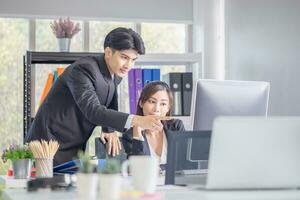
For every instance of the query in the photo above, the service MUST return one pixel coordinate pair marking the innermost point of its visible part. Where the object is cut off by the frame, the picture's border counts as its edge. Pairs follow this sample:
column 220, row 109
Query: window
column 163, row 37
column 98, row 31
column 14, row 36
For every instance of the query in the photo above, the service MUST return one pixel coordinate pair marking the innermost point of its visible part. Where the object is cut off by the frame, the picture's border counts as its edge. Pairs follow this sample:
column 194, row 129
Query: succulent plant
column 85, row 165
column 112, row 166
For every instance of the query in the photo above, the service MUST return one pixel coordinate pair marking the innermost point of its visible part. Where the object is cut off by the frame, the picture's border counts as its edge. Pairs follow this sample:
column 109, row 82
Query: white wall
column 178, row 10
column 208, row 37
column 263, row 43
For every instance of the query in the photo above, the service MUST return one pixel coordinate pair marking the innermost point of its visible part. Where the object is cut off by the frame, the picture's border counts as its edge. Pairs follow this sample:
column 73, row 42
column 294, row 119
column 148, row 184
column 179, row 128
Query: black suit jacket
column 138, row 147
column 83, row 97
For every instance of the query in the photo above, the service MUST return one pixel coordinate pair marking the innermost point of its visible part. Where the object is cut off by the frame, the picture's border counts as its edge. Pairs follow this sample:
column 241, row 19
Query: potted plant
column 110, row 179
column 21, row 157
column 87, row 180
column 64, row 30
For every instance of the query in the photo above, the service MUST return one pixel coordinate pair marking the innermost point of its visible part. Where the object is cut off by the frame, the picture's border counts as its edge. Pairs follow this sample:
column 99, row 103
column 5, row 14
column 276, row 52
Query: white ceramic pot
column 110, row 186
column 87, row 185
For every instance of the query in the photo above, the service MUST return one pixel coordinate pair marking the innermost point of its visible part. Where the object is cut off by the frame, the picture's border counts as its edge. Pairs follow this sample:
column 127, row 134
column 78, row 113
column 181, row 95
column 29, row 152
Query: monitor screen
column 214, row 98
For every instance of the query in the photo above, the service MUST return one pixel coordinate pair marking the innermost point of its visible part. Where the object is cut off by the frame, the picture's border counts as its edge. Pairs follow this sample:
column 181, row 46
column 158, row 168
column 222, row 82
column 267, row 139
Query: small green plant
column 16, row 152
column 112, row 166
column 85, row 166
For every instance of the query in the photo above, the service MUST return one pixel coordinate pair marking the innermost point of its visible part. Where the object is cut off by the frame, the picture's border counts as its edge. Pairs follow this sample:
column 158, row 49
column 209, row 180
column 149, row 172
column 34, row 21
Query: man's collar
column 105, row 71
column 103, row 67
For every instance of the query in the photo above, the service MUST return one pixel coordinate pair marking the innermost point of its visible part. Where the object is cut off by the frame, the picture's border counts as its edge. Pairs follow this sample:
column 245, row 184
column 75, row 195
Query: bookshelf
column 32, row 57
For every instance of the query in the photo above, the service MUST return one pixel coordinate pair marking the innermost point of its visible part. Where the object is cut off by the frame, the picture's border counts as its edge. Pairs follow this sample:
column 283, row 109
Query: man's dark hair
column 124, row 38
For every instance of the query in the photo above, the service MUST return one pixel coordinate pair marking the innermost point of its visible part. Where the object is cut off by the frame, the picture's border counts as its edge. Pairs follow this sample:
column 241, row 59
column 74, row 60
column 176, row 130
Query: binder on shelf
column 55, row 76
column 187, row 87
column 155, row 74
column 131, row 90
column 174, row 80
column 138, row 83
column 60, row 70
column 147, row 76
column 47, row 87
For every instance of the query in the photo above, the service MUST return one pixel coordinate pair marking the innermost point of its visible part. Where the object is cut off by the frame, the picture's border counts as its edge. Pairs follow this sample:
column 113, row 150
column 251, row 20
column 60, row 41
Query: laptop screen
column 254, row 152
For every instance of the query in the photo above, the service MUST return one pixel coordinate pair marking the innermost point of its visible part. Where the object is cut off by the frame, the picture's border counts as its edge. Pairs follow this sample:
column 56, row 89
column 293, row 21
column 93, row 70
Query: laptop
column 254, row 153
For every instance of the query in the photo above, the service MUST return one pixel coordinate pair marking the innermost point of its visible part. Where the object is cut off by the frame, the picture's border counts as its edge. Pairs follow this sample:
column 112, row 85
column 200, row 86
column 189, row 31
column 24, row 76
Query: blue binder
column 55, row 76
column 147, row 76
column 155, row 74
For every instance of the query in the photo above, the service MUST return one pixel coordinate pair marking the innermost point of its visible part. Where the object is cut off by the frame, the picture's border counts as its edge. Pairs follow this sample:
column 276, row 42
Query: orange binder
column 47, row 87
column 60, row 70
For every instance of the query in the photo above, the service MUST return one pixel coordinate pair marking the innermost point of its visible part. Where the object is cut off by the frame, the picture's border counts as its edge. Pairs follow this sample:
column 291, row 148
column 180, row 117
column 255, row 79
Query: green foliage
column 16, row 152
column 112, row 166
column 85, row 166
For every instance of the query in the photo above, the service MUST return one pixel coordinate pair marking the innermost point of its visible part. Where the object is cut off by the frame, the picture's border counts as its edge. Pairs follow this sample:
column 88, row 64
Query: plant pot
column 22, row 168
column 64, row 44
column 110, row 186
column 87, row 185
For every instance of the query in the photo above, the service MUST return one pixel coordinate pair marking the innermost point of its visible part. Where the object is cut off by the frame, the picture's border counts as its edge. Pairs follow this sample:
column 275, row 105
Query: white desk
column 173, row 193
column 167, row 193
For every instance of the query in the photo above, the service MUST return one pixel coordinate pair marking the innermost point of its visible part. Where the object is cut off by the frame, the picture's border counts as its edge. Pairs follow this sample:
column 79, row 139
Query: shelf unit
column 32, row 57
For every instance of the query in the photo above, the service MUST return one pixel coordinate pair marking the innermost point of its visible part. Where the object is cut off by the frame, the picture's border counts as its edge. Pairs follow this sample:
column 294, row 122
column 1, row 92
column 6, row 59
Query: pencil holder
column 43, row 152
column 44, row 167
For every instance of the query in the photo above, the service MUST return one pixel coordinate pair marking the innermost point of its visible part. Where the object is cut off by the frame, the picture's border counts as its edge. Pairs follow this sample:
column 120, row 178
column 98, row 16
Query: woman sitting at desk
column 156, row 99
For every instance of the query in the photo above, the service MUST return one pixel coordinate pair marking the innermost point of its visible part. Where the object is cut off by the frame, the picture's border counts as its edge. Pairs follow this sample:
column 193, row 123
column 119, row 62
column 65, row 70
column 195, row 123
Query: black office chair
column 177, row 146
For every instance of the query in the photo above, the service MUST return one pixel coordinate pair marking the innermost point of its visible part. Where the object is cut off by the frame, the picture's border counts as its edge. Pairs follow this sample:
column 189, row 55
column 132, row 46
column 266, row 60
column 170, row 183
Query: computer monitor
column 214, row 98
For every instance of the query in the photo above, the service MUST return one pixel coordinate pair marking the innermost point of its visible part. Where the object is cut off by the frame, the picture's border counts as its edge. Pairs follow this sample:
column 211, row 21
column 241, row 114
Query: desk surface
column 167, row 193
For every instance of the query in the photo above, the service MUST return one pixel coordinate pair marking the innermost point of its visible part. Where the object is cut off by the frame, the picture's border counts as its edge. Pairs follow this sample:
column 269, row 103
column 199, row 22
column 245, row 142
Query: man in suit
column 85, row 96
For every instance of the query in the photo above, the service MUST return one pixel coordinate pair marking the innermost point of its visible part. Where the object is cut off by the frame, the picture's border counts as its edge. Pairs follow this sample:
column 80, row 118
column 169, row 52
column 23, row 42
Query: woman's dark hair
column 149, row 90
column 124, row 38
